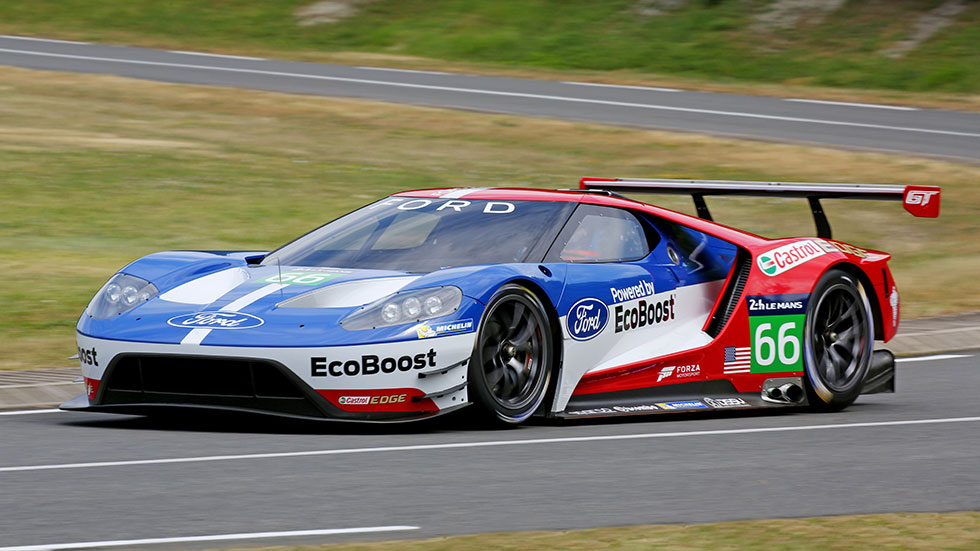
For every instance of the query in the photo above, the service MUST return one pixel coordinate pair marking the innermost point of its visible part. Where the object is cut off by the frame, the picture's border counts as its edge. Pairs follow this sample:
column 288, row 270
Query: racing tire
column 838, row 341
column 510, row 369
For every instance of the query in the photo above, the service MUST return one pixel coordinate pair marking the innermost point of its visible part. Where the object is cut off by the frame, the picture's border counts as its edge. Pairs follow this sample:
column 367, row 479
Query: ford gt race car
column 513, row 302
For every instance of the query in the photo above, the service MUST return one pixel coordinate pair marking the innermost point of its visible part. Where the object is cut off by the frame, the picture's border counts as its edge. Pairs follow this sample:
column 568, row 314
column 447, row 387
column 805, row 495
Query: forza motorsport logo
column 783, row 258
column 679, row 371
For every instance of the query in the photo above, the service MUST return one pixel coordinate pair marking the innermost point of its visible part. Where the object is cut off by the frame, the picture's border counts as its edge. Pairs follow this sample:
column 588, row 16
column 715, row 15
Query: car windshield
column 423, row 235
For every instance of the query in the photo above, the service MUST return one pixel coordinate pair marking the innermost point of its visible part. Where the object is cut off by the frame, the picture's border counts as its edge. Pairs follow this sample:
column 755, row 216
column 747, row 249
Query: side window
column 601, row 234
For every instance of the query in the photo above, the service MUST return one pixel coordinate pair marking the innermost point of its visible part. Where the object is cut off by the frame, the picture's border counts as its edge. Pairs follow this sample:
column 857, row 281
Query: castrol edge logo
column 783, row 258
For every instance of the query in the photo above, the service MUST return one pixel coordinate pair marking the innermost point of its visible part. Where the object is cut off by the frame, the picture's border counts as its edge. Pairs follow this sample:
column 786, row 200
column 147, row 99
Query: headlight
column 405, row 307
column 119, row 295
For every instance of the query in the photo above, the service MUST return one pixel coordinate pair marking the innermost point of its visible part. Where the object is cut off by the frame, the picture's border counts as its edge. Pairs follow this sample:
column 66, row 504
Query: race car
column 509, row 302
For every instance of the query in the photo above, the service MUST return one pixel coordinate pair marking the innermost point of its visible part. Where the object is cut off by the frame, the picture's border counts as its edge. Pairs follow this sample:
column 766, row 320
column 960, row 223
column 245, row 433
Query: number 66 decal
column 776, row 324
column 786, row 345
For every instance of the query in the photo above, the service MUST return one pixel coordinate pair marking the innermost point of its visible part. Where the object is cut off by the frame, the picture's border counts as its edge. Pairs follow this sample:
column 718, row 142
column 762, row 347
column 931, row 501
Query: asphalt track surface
column 76, row 477
column 889, row 128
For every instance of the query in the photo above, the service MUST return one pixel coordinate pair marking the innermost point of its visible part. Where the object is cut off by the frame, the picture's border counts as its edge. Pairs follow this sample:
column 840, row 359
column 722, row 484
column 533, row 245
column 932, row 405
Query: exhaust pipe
column 790, row 393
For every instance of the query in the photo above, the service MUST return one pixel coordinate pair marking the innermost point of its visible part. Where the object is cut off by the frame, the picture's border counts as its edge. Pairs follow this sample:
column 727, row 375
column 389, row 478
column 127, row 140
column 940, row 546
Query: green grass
column 98, row 171
column 886, row 532
column 701, row 39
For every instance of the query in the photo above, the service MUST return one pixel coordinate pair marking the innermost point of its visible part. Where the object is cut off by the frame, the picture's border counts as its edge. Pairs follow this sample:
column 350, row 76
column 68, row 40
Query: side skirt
column 685, row 397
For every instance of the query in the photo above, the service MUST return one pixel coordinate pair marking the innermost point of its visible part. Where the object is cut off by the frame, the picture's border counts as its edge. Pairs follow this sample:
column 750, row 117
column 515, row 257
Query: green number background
column 777, row 322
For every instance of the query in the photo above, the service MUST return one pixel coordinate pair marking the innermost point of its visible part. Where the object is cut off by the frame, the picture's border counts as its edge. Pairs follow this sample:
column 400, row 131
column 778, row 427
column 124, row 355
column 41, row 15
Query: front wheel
column 838, row 341
column 510, row 368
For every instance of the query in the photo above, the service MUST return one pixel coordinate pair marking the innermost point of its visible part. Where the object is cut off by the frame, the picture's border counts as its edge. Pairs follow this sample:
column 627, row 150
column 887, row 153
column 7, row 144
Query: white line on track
column 402, row 70
column 490, row 444
column 501, row 93
column 626, row 86
column 32, row 39
column 225, row 56
column 29, row 411
column 931, row 358
column 852, row 104
column 216, row 537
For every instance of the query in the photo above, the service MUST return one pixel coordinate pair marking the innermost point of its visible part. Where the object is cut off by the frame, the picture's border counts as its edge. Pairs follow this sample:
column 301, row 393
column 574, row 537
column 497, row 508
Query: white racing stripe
column 931, row 358
column 197, row 335
column 216, row 537
column 852, row 104
column 490, row 444
column 504, row 94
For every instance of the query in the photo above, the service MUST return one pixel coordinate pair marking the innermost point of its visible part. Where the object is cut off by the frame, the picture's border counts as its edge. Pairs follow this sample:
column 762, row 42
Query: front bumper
column 382, row 382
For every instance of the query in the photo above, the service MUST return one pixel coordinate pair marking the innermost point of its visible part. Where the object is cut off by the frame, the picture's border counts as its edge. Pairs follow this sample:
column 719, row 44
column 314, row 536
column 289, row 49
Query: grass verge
column 891, row 532
column 716, row 45
column 100, row 170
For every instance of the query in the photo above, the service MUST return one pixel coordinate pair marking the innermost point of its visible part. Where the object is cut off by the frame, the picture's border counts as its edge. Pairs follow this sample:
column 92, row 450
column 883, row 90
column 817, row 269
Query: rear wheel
column 839, row 340
column 510, row 368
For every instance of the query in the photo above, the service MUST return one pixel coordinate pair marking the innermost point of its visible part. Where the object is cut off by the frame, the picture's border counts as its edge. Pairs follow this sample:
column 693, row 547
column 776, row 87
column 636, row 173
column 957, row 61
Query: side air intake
column 733, row 292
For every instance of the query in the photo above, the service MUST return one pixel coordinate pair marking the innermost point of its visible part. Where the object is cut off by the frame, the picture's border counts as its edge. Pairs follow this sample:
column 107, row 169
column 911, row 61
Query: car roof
column 594, row 197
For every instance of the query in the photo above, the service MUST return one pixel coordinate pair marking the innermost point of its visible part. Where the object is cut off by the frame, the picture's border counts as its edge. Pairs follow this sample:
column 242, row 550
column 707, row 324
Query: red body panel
column 797, row 271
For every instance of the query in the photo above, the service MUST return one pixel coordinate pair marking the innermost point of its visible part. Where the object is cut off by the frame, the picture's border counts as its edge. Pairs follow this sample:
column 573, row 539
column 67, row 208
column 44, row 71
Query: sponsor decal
column 305, row 276
column 686, row 404
column 776, row 326
column 372, row 400
column 369, row 364
column 587, row 318
column 216, row 320
column 789, row 256
column 642, row 313
column 679, row 371
column 425, row 330
column 834, row 247
column 613, row 410
column 921, row 200
column 721, row 403
column 738, row 359
column 88, row 357
column 892, row 300
column 489, row 207
column 91, row 387
column 643, row 288
column 919, row 197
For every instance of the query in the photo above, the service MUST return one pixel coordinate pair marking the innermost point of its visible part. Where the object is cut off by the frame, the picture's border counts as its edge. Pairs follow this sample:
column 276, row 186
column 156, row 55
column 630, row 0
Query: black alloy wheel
column 510, row 368
column 839, row 340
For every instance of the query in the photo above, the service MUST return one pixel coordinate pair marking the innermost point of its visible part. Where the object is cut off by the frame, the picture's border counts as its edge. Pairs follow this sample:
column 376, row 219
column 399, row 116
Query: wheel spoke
column 516, row 316
column 494, row 376
column 524, row 335
column 838, row 363
column 846, row 316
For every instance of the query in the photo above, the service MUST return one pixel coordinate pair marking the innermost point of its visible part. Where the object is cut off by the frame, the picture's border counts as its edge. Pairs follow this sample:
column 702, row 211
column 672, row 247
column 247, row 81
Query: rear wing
column 918, row 200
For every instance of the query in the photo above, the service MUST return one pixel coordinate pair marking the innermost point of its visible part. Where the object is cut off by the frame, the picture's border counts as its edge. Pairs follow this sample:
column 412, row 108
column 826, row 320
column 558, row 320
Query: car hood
column 265, row 306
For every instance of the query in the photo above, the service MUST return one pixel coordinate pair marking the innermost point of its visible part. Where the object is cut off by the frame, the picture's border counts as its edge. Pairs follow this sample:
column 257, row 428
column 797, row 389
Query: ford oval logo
column 216, row 320
column 587, row 318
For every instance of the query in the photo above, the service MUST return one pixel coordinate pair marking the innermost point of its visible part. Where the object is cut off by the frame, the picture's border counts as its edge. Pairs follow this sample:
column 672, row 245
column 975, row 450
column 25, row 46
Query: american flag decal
column 738, row 359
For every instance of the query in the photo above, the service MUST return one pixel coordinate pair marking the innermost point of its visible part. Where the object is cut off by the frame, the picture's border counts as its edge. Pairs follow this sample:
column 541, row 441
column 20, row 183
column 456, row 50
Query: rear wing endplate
column 917, row 200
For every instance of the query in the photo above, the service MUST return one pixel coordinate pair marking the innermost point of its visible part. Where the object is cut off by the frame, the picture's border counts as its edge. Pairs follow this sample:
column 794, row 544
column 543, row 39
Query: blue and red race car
column 513, row 302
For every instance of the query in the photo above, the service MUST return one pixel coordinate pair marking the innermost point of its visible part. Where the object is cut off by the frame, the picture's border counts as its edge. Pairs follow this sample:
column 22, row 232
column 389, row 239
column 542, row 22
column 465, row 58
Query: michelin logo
column 426, row 331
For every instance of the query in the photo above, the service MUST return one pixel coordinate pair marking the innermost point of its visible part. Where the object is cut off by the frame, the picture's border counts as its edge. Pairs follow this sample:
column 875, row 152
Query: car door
column 632, row 292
